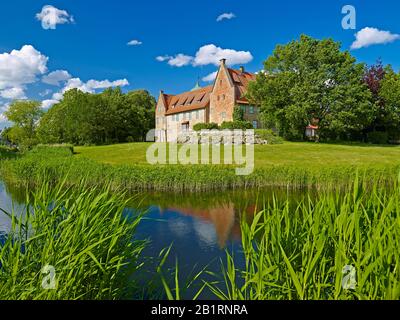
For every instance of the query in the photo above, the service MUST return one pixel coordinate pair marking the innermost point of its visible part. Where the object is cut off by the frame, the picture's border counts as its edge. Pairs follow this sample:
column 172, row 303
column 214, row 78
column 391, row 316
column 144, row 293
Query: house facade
column 177, row 114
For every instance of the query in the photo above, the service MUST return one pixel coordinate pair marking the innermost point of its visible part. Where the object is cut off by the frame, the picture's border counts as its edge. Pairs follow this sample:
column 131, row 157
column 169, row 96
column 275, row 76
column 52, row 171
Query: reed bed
column 70, row 243
column 334, row 247
column 60, row 162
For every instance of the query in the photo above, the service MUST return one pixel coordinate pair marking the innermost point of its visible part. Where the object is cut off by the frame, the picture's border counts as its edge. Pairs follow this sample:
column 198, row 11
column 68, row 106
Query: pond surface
column 200, row 226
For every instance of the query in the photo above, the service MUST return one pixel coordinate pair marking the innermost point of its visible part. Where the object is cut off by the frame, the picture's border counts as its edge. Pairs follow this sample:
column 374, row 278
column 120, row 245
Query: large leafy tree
column 108, row 117
column 311, row 81
column 389, row 93
column 25, row 115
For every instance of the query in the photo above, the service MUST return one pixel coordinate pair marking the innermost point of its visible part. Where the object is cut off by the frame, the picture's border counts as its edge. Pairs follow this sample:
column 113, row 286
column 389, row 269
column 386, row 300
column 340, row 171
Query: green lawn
column 302, row 154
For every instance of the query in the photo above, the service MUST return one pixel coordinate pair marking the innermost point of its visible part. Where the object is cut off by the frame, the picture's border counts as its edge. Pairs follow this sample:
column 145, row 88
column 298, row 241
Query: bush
column 231, row 125
column 269, row 135
column 130, row 139
column 205, row 126
column 378, row 137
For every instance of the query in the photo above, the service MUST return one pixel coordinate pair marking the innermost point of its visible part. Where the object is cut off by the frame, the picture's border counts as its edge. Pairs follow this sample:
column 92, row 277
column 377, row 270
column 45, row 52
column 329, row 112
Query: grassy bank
column 59, row 162
column 74, row 236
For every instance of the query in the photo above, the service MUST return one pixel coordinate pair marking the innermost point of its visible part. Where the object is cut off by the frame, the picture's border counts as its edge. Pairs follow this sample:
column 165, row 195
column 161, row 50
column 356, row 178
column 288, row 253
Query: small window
column 217, row 98
column 255, row 124
column 197, row 114
column 223, row 115
column 190, row 116
column 251, row 110
column 220, row 82
column 243, row 109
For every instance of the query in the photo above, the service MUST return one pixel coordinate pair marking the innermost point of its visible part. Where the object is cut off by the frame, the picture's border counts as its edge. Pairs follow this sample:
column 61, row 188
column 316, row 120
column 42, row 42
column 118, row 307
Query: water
column 200, row 226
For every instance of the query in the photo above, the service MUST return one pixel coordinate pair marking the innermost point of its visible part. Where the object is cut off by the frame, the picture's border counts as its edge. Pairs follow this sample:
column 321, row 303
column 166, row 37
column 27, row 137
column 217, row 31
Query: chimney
column 241, row 69
column 223, row 61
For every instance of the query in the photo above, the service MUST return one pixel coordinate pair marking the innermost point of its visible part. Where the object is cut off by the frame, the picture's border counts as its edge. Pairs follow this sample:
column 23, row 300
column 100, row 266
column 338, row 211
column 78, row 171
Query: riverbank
column 273, row 168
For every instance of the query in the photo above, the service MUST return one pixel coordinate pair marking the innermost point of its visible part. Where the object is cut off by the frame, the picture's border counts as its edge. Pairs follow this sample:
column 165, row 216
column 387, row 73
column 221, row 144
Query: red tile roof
column 186, row 101
column 200, row 99
column 241, row 81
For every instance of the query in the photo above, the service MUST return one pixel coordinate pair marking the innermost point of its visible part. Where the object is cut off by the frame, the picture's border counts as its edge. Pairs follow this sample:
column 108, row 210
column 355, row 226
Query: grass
column 288, row 171
column 7, row 153
column 309, row 251
column 290, row 154
column 80, row 232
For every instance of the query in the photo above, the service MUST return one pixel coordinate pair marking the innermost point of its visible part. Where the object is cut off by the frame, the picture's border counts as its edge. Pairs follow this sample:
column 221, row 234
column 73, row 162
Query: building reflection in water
column 217, row 224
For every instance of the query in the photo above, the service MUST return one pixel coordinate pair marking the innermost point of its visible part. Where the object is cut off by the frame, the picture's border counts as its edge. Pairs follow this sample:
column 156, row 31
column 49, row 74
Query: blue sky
column 91, row 43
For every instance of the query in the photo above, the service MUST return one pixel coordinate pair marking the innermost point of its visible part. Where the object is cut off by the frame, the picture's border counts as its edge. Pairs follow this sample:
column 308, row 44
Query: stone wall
column 220, row 137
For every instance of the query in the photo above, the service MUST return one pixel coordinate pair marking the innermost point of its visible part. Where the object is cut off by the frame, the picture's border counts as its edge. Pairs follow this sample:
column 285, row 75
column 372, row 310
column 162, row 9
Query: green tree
column 25, row 115
column 109, row 117
column 309, row 81
column 389, row 114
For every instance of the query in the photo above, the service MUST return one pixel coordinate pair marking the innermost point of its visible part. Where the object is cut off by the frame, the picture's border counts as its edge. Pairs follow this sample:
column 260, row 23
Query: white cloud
column 95, row 84
column 3, row 120
column 51, row 16
column 89, row 87
column 208, row 54
column 370, row 36
column 211, row 77
column 180, row 60
column 134, row 43
column 211, row 54
column 45, row 93
column 56, row 77
column 21, row 67
column 163, row 58
column 227, row 16
column 16, row 93
column 46, row 104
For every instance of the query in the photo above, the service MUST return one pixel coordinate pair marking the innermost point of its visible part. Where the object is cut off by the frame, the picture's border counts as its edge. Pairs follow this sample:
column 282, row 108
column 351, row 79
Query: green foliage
column 109, row 117
column 299, row 252
column 25, row 116
column 269, row 135
column 205, row 126
column 378, row 137
column 7, row 153
column 82, row 233
column 389, row 111
column 242, row 125
column 238, row 114
column 312, row 79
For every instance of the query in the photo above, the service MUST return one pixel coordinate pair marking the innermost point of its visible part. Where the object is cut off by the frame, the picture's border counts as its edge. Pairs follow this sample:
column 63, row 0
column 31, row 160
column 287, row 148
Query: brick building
column 176, row 114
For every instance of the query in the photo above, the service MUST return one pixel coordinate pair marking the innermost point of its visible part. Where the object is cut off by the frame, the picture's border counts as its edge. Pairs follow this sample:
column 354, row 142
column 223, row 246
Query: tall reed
column 77, row 237
column 313, row 249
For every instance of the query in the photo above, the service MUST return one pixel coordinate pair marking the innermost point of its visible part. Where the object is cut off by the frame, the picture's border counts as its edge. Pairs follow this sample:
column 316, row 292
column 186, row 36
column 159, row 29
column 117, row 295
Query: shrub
column 378, row 137
column 269, row 135
column 130, row 139
column 231, row 125
column 205, row 126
